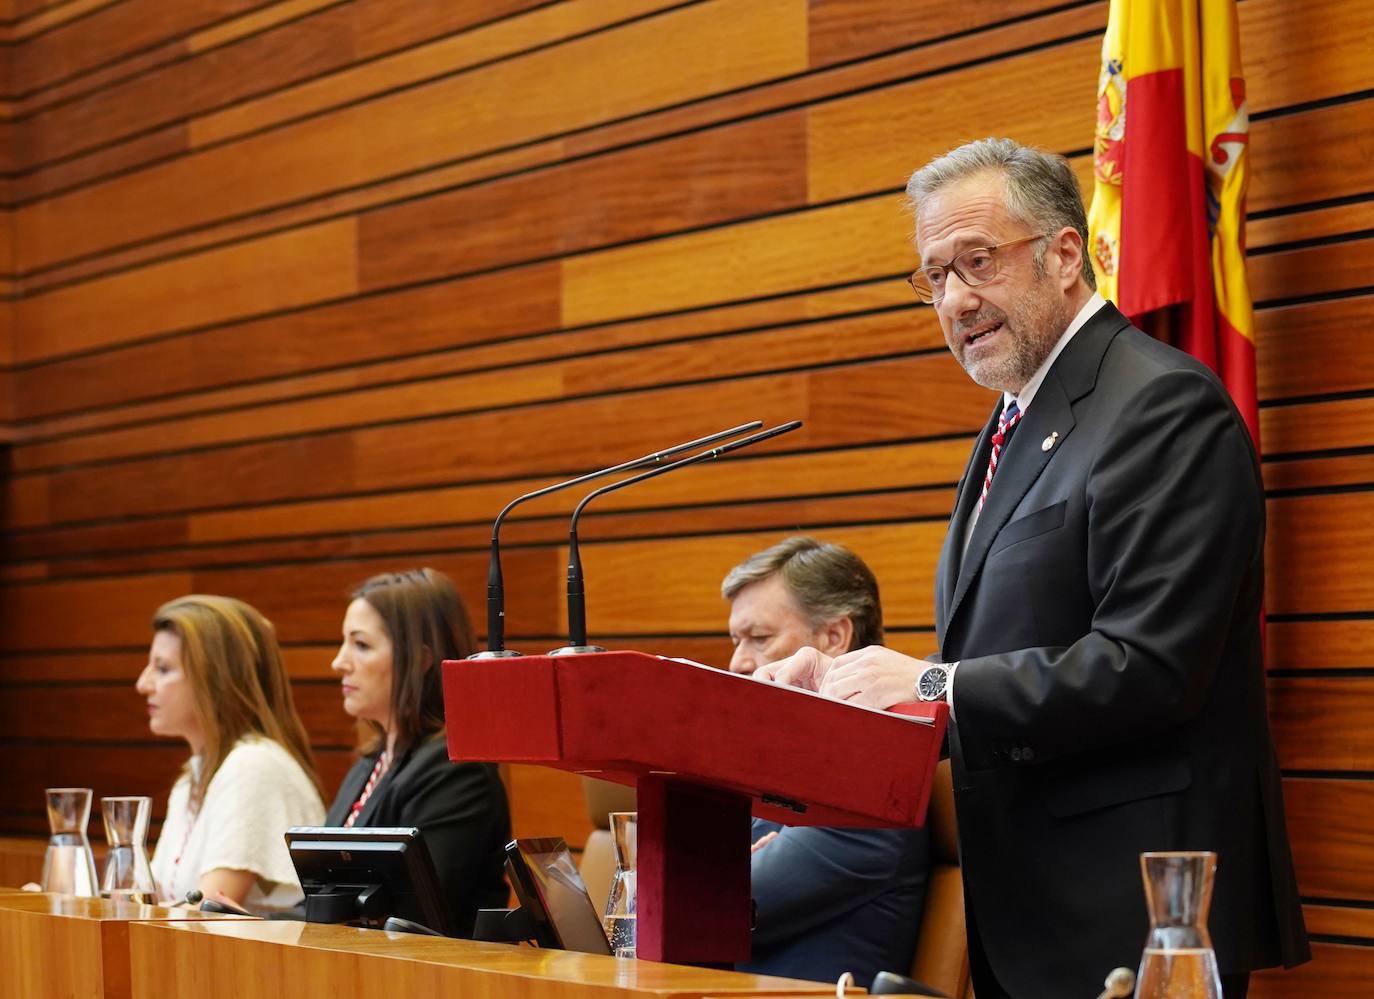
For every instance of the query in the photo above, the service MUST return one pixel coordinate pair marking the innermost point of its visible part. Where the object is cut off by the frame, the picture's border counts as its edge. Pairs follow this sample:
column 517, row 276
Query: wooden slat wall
column 297, row 291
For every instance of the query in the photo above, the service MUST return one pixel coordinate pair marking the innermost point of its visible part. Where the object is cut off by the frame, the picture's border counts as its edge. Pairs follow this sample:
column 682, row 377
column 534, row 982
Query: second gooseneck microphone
column 496, row 593
column 577, row 600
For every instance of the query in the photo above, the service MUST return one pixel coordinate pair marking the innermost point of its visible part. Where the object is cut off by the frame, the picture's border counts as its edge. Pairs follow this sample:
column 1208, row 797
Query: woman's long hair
column 238, row 681
column 427, row 623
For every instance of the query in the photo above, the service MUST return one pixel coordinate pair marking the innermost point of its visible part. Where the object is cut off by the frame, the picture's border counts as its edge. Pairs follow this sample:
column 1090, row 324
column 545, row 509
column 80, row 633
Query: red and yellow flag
column 1167, row 223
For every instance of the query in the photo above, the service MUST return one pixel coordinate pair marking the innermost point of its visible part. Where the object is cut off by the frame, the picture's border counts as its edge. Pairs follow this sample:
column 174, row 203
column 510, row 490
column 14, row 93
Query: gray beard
column 1039, row 321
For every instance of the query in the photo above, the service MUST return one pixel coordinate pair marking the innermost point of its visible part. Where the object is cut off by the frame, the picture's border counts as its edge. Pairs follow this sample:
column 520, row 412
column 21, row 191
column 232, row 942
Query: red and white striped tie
column 1011, row 415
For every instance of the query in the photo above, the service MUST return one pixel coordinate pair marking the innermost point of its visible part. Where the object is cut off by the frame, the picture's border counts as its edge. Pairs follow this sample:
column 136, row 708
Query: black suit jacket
column 461, row 810
column 1110, row 694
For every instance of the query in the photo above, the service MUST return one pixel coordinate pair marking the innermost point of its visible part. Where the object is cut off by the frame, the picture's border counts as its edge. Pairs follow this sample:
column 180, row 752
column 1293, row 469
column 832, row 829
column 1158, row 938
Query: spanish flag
column 1167, row 223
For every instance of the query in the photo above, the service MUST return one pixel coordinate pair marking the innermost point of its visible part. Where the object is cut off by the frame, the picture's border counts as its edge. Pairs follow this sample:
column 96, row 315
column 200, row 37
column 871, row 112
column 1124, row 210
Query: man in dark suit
column 1097, row 606
column 829, row 900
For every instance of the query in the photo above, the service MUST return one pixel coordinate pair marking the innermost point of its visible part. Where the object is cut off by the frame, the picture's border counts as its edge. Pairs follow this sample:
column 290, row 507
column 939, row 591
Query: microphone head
column 1120, row 983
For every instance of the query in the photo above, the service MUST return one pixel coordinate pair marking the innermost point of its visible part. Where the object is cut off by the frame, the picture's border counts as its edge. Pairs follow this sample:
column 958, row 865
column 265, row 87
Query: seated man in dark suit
column 829, row 900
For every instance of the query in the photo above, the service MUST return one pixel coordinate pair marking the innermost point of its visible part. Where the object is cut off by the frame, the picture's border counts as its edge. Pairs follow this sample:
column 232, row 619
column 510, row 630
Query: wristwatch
column 931, row 682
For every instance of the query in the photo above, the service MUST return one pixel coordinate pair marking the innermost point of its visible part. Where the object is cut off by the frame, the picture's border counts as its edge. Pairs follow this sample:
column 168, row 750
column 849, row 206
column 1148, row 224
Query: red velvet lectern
column 705, row 748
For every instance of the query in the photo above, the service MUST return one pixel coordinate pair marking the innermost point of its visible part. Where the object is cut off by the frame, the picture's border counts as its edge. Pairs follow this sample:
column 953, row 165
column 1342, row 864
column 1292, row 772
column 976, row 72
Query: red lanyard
column 383, row 761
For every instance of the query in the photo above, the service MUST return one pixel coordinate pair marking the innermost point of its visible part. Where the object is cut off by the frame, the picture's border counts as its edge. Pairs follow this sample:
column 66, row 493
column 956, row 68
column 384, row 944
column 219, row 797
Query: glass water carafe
column 1178, row 962
column 620, row 906
column 127, row 874
column 68, row 866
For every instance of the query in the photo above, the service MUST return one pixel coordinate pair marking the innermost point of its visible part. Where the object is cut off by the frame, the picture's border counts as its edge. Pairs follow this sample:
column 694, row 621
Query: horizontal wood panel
column 553, row 89
column 786, row 92
column 673, row 585
column 1295, row 344
column 1328, row 470
column 753, row 168
column 294, row 268
column 1035, row 96
column 577, row 434
column 815, row 344
column 115, row 713
column 486, row 318
column 159, row 144
column 1322, row 723
column 108, row 34
column 1329, row 823
column 435, row 53
column 1321, row 565
column 1335, row 969
column 170, row 93
column 1320, row 644
column 725, row 483
column 812, row 513
column 1317, row 426
column 1339, row 921
column 115, row 665
column 832, row 245
column 848, row 29
column 305, row 602
column 475, row 310
column 382, row 26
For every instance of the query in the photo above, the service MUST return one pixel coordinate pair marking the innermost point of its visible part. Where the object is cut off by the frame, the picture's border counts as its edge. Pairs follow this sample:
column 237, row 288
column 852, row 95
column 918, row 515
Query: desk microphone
column 496, row 592
column 577, row 601
column 1120, row 983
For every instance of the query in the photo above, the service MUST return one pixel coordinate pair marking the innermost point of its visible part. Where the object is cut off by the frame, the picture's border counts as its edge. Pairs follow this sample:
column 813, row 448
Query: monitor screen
column 365, row 875
column 546, row 881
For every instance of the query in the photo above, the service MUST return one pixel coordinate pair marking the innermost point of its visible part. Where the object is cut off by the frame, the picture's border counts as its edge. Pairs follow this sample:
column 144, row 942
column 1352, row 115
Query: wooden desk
column 248, row 960
column 57, row 945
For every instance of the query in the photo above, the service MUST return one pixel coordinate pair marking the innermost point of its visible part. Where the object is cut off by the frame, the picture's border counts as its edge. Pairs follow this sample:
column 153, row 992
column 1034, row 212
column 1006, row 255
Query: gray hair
column 828, row 582
column 1038, row 189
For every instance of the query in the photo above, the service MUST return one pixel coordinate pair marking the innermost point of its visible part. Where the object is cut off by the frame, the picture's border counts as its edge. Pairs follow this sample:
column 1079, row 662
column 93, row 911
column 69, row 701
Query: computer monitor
column 553, row 894
column 363, row 876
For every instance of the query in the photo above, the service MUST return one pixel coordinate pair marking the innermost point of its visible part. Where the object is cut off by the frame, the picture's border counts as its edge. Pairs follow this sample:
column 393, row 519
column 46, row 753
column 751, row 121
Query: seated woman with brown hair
column 398, row 629
column 215, row 678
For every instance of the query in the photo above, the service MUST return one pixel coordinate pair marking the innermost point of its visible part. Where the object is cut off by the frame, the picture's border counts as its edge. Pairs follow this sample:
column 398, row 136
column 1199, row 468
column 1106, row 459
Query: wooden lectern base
column 693, row 874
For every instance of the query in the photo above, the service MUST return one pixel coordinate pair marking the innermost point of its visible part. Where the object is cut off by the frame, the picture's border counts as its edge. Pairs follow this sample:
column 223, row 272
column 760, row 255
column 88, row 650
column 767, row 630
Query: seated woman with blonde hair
column 397, row 631
column 215, row 678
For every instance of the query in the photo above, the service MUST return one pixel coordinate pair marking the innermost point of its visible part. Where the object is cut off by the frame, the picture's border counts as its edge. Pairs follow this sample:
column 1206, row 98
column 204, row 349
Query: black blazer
column 461, row 809
column 1110, row 697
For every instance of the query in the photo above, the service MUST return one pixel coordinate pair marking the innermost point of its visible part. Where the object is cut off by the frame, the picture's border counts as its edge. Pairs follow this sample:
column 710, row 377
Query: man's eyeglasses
column 976, row 265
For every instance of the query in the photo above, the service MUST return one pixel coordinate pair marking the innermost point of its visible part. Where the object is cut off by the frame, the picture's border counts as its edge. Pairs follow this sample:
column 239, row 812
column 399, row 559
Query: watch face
column 931, row 685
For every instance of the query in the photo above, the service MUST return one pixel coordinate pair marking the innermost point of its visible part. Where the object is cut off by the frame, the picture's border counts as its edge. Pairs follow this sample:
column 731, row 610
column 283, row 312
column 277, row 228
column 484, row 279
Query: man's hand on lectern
column 805, row 668
column 874, row 677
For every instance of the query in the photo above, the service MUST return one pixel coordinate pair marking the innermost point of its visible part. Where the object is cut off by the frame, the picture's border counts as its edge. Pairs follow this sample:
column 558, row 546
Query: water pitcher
column 127, row 874
column 620, row 906
column 68, row 866
column 1178, row 962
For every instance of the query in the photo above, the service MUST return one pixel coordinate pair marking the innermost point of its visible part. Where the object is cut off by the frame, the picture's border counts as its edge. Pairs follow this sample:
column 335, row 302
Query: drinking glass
column 127, row 874
column 620, row 906
column 68, row 865
column 1178, row 962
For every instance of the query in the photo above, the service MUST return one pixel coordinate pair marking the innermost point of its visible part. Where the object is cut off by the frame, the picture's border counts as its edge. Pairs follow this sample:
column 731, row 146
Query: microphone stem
column 577, row 597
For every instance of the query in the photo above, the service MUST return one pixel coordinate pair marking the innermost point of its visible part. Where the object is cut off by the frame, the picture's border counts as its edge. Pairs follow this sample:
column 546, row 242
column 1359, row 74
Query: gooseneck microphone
column 577, row 600
column 496, row 594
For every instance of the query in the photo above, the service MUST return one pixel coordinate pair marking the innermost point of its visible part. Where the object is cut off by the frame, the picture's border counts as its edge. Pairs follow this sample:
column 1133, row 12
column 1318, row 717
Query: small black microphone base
column 576, row 650
column 496, row 654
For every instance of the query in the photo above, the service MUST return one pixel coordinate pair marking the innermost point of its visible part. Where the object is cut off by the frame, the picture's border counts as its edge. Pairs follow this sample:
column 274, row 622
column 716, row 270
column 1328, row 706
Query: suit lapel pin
column 1049, row 441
